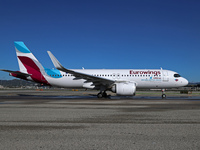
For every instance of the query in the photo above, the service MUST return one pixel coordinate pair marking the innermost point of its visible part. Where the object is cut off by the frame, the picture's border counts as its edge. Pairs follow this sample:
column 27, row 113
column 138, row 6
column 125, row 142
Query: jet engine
column 124, row 88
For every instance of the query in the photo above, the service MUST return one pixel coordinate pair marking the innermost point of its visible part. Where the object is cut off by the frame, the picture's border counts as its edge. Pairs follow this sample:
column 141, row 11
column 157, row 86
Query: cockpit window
column 177, row 75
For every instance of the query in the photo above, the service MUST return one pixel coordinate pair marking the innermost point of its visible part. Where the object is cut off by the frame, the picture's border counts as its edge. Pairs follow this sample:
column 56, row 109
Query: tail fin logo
column 21, row 47
column 29, row 64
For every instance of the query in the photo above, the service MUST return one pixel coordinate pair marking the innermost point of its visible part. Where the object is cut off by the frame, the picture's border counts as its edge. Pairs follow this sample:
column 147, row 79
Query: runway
column 45, row 120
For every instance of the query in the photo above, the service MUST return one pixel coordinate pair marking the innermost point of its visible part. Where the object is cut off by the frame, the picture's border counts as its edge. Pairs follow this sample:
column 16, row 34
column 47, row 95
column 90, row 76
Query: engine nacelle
column 124, row 88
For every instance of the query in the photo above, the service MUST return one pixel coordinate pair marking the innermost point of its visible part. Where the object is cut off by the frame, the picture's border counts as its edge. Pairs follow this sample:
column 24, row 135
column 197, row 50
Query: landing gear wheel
column 99, row 95
column 102, row 94
column 163, row 96
column 105, row 94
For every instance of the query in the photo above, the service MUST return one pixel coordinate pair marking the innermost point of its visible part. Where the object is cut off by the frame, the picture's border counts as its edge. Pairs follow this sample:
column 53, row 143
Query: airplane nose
column 185, row 82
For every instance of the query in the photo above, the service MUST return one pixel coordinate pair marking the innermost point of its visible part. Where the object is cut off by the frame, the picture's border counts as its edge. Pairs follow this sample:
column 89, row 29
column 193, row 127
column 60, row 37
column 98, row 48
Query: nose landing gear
column 163, row 94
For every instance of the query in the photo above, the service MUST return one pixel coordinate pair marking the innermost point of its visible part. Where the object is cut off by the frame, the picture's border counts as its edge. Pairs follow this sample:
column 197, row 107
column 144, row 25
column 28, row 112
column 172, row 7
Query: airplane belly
column 66, row 82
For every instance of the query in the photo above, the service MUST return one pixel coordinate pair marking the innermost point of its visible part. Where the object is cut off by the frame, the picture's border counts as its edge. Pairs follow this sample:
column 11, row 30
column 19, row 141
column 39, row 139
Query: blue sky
column 104, row 34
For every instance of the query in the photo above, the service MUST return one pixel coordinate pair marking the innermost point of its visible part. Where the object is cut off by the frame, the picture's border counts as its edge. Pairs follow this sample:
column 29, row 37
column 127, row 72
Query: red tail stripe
column 33, row 69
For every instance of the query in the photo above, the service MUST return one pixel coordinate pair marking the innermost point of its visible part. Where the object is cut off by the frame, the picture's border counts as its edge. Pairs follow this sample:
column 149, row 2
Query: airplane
column 120, row 81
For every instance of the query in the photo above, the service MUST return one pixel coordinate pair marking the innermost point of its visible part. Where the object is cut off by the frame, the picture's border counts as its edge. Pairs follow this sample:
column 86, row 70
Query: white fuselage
column 143, row 78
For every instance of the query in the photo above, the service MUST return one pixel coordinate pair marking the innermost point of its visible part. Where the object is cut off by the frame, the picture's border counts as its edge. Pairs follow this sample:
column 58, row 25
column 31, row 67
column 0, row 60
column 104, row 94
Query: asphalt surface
column 32, row 120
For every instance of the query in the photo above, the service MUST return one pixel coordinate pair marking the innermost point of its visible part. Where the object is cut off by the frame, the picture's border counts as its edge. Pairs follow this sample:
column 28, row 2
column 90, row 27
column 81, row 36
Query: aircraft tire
column 104, row 94
column 99, row 95
column 164, row 96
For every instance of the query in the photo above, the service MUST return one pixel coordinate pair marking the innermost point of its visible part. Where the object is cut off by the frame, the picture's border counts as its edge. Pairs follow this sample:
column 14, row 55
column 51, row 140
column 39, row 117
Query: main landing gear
column 102, row 95
column 163, row 94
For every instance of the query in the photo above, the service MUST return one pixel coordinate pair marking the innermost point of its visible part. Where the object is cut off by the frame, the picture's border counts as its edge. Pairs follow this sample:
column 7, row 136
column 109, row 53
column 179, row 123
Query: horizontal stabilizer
column 16, row 72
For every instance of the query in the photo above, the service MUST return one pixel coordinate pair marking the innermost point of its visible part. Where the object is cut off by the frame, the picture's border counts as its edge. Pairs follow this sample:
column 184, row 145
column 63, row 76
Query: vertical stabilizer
column 26, row 58
column 28, row 63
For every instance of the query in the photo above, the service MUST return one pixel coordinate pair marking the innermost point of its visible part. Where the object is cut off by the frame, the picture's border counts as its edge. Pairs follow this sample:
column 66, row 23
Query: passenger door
column 165, row 76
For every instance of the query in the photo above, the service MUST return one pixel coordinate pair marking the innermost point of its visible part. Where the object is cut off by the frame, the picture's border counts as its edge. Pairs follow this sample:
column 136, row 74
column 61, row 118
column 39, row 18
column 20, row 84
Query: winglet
column 56, row 63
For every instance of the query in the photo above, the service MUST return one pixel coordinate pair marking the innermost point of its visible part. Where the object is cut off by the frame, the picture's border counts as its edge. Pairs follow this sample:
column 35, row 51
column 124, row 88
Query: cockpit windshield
column 177, row 75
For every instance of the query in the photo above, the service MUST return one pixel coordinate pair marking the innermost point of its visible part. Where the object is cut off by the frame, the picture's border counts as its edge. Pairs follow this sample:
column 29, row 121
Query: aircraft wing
column 79, row 75
column 16, row 72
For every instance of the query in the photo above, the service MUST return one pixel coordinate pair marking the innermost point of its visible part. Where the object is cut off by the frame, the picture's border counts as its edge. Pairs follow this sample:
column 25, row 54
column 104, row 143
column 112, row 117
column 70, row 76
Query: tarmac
column 77, row 120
